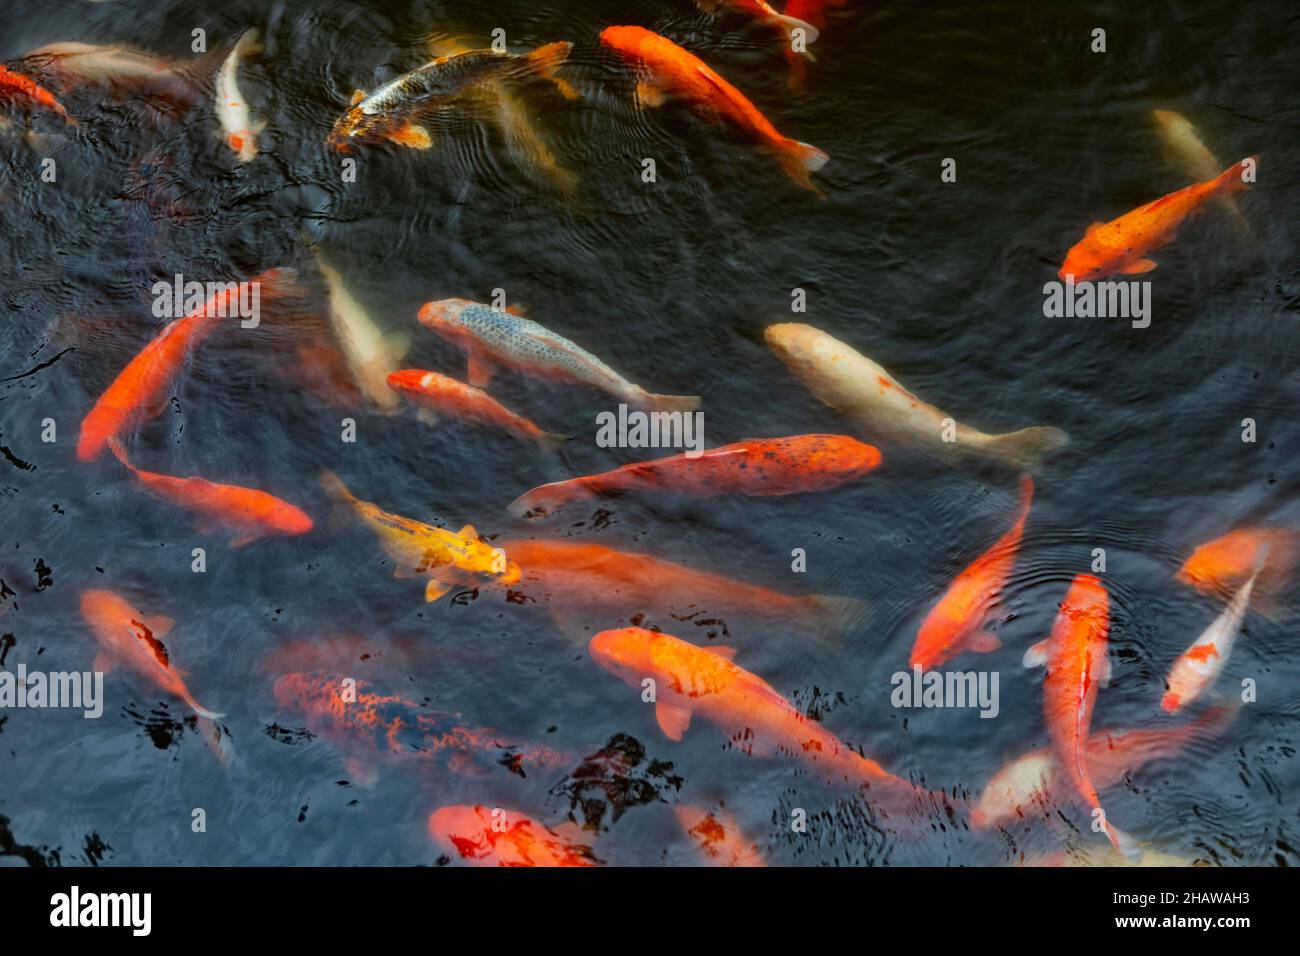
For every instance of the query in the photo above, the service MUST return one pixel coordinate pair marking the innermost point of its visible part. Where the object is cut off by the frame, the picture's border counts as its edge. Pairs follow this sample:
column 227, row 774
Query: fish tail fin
column 1025, row 449
column 344, row 501
column 547, row 59
column 248, row 44
column 800, row 161
column 1123, row 842
column 1231, row 181
column 789, row 24
column 545, row 499
column 834, row 615
column 673, row 403
column 551, row 441
column 200, row 709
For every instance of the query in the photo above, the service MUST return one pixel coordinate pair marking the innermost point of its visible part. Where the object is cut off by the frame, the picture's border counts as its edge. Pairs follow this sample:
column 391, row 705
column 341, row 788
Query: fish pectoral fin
column 481, row 370
column 437, row 587
column 247, row 537
column 984, row 642
column 1137, row 267
column 1104, row 671
column 650, row 94
column 1036, row 656
column 159, row 624
column 673, row 721
column 357, row 97
column 360, row 771
column 103, row 663
column 411, row 135
column 426, row 415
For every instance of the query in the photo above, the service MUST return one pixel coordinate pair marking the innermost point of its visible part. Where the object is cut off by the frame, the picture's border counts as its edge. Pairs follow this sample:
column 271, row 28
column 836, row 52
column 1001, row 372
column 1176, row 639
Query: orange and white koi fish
column 140, row 390
column 447, row 558
column 1034, row 782
column 843, row 378
column 574, row 578
column 1077, row 664
column 249, row 513
column 755, row 466
column 956, row 623
column 483, row 836
column 703, row 682
column 1123, row 245
column 435, row 393
column 18, row 87
column 232, row 110
column 492, row 336
column 1223, row 566
column 128, row 637
column 1195, row 161
column 668, row 70
column 1201, row 663
column 760, row 11
column 718, row 836
column 369, row 724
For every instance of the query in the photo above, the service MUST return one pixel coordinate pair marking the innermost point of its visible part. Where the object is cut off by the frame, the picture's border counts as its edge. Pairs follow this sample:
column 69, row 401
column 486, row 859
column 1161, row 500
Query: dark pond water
column 672, row 283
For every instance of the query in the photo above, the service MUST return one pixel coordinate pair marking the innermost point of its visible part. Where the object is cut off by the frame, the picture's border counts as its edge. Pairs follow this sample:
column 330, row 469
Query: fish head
column 412, row 380
column 626, row 652
column 626, row 40
column 1014, row 790
column 801, row 347
column 1224, row 562
column 353, row 127
column 444, row 316
column 289, row 520
column 104, row 611
column 1089, row 259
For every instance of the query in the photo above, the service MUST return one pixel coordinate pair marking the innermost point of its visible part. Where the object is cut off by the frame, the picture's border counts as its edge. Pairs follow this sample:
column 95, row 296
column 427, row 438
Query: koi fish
column 1195, row 161
column 496, row 837
column 718, row 836
column 1075, row 656
column 812, row 11
column 438, row 393
column 16, row 86
column 956, row 623
column 693, row 681
column 492, row 336
column 232, row 110
column 122, row 69
column 668, row 70
column 128, row 637
column 755, row 466
column 573, row 578
column 852, row 384
column 1122, row 245
column 390, row 112
column 252, row 514
column 140, row 390
column 1224, row 565
column 760, row 11
column 370, row 724
column 1201, row 663
column 1034, row 781
column 371, row 353
column 447, row 558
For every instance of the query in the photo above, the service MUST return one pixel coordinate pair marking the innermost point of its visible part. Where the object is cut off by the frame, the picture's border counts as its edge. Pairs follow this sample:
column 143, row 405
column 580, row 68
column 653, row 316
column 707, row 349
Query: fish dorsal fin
column 518, row 310
column 1093, row 228
column 357, row 97
column 673, row 721
column 468, row 532
column 729, row 92
column 726, row 653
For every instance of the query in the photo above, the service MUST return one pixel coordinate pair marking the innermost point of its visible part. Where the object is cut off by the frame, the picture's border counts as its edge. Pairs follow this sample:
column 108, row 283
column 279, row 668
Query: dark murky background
column 672, row 284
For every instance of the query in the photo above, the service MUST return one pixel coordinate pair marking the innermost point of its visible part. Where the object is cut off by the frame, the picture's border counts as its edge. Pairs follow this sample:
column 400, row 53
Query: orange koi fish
column 1075, row 656
column 371, row 724
column 1122, row 245
column 1201, row 663
column 956, row 623
column 755, row 466
column 702, row 681
column 575, row 578
column 250, row 513
column 434, row 393
column 1224, row 565
column 760, row 11
column 668, row 70
column 128, row 637
column 1034, row 781
column 140, row 390
column 718, row 836
column 16, row 86
column 495, row 837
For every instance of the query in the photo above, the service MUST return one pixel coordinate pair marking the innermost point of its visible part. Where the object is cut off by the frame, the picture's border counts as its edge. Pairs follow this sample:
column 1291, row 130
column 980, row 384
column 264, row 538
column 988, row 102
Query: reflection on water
column 970, row 149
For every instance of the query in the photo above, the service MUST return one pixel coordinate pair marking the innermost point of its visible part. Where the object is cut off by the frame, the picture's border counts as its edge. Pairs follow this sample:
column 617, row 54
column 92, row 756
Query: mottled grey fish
column 495, row 336
column 388, row 112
